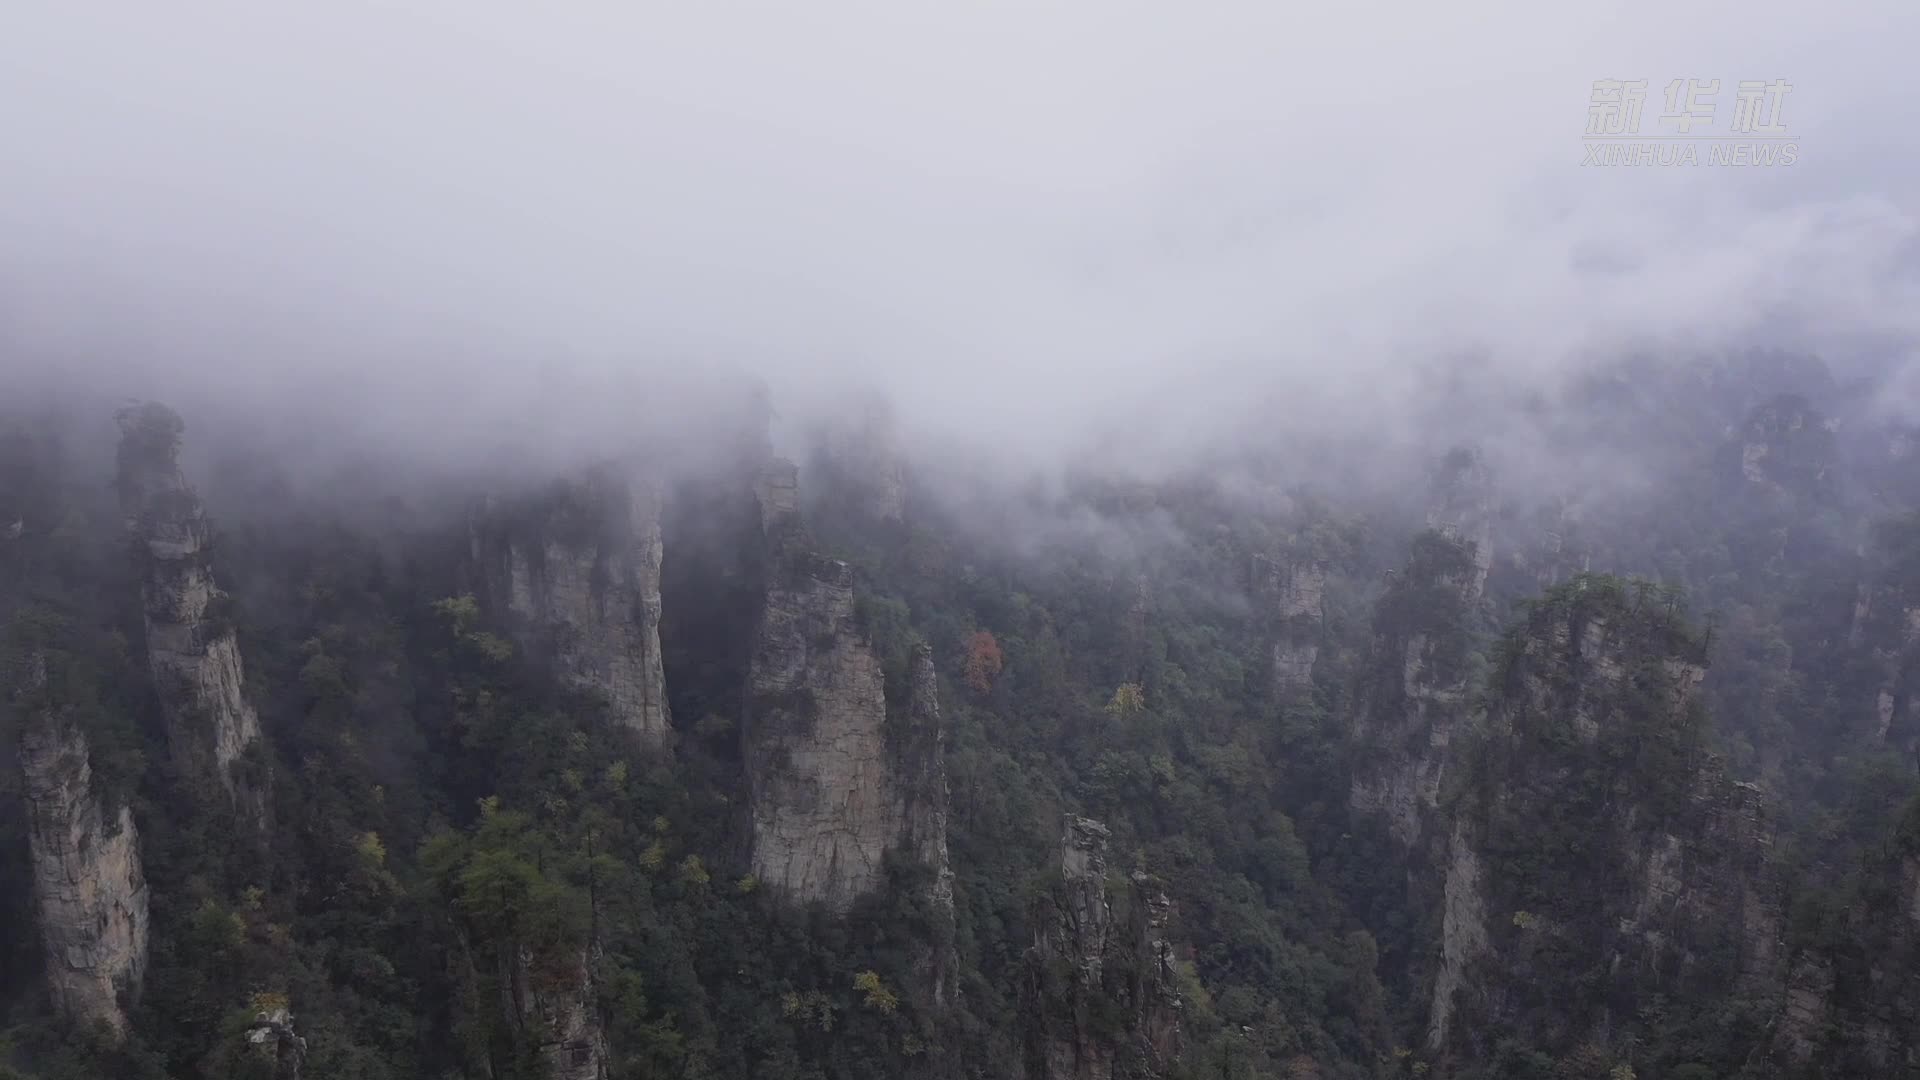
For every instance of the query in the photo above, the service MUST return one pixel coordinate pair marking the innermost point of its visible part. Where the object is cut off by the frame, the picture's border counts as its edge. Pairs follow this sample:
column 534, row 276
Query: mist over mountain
column 1031, row 228
column 1063, row 542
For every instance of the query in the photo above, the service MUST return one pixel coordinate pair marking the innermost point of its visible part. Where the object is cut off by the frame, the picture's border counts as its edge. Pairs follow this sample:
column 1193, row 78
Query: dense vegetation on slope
column 453, row 828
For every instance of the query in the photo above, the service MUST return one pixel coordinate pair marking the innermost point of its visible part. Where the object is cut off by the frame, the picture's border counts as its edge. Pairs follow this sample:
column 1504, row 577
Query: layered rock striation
column 1462, row 510
column 839, row 776
column 576, row 569
column 88, row 884
column 1414, row 700
column 554, row 1009
column 1291, row 592
column 191, row 647
column 1599, row 861
column 1851, row 1005
column 280, row 1050
column 1102, row 999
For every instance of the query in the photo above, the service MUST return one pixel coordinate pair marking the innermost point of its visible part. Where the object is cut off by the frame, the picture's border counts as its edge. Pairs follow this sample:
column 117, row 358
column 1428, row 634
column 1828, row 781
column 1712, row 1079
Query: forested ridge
column 723, row 766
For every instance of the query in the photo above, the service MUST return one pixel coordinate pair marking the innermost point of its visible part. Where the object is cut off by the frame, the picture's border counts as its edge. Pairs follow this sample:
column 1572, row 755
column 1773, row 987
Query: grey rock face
column 1062, row 1046
column 1156, row 991
column 1291, row 591
column 924, row 824
column 1886, row 628
column 1414, row 702
column 578, row 568
column 1544, row 550
column 1803, row 1015
column 834, row 782
column 1463, row 933
column 87, row 879
column 1849, row 1002
column 1085, row 913
column 191, row 648
column 1094, row 944
column 272, row 1038
column 1462, row 510
column 826, row 800
column 1787, row 447
column 777, row 489
column 1672, row 887
column 555, row 1010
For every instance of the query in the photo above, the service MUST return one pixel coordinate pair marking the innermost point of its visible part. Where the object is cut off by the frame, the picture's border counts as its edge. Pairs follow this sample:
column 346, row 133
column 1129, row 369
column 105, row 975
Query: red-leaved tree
column 983, row 661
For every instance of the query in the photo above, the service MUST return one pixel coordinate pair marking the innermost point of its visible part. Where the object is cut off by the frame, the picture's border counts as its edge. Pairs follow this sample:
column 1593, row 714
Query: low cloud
column 1039, row 227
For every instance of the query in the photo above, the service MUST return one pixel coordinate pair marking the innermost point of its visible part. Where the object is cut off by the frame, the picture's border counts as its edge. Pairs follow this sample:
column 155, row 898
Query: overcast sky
column 1022, row 218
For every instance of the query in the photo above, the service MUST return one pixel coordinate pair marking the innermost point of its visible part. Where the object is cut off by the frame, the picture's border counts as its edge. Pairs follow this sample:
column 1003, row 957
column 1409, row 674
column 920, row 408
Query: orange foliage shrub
column 983, row 661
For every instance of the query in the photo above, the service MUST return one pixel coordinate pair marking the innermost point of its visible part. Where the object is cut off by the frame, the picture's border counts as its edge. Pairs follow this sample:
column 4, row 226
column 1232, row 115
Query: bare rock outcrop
column 1101, row 946
column 1804, row 1012
column 191, row 648
column 274, row 1042
column 1463, row 933
column 826, row 805
column 576, row 569
column 1885, row 632
column 1786, row 447
column 88, row 883
column 924, row 822
column 837, row 778
column 1542, row 550
column 1414, row 701
column 1594, row 826
column 1852, row 999
column 776, row 488
column 1291, row 592
column 553, row 1006
column 1462, row 510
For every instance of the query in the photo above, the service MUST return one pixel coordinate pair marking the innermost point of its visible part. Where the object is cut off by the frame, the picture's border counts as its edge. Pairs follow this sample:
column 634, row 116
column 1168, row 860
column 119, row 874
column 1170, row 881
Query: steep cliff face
column 1463, row 932
column 577, row 568
column 1787, row 447
column 280, row 1050
column 1461, row 510
column 1599, row 857
column 1852, row 999
column 1070, row 955
column 88, row 887
column 776, row 487
column 1136, row 628
column 1101, row 953
column 835, row 781
column 1291, row 592
column 924, row 821
column 825, row 800
column 553, row 1006
column 1413, row 702
column 1884, row 634
column 191, row 647
column 1546, row 548
column 1805, row 1012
